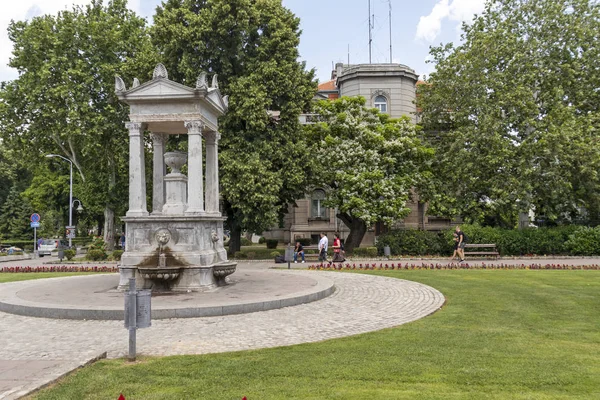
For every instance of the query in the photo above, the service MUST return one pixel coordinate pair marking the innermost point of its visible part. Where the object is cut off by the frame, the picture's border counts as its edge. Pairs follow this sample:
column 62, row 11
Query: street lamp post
column 70, row 189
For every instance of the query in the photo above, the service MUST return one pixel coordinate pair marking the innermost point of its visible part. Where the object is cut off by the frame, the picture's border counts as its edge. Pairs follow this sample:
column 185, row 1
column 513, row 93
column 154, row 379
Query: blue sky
column 329, row 28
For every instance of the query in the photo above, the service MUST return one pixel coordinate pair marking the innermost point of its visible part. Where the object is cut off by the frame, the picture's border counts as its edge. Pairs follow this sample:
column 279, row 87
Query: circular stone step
column 94, row 297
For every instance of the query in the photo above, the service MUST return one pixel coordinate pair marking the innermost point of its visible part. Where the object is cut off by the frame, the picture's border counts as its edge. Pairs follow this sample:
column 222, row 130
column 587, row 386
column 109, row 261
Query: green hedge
column 413, row 242
column 584, row 242
column 564, row 240
column 365, row 252
column 304, row 241
column 271, row 243
column 96, row 255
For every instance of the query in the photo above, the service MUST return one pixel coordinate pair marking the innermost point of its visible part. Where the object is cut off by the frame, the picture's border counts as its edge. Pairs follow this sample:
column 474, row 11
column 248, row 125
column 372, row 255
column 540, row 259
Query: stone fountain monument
column 178, row 246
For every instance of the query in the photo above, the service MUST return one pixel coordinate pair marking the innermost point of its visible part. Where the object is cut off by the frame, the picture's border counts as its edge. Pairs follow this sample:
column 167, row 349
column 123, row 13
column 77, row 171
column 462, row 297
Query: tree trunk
column 235, row 243
column 235, row 230
column 357, row 227
column 109, row 228
column 109, row 212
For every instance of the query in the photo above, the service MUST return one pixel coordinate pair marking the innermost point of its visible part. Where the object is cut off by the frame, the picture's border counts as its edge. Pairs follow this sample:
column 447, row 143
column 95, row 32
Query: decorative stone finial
column 215, row 83
column 160, row 72
column 119, row 84
column 226, row 100
column 136, row 83
column 201, row 81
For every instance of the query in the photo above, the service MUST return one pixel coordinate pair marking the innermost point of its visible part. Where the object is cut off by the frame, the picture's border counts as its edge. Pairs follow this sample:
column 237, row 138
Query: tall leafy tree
column 63, row 101
column 252, row 45
column 514, row 113
column 14, row 216
column 369, row 163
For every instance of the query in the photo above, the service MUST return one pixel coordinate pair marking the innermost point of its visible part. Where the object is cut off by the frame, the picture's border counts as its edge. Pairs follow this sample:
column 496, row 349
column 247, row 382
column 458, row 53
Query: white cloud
column 430, row 26
column 26, row 9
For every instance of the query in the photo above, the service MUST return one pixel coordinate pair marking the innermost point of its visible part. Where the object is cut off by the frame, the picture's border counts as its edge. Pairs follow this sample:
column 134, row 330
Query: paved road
column 361, row 303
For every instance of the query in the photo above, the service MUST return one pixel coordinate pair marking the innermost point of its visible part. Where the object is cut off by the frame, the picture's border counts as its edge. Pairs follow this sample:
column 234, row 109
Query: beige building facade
column 392, row 89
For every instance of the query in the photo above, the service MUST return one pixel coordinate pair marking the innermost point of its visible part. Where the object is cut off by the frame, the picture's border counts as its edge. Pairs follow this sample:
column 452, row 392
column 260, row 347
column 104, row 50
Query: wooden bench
column 311, row 255
column 492, row 251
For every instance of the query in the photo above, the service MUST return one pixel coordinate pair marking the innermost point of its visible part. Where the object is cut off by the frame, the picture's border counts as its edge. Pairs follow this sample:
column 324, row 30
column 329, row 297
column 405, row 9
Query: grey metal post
column 70, row 189
column 34, row 242
column 132, row 319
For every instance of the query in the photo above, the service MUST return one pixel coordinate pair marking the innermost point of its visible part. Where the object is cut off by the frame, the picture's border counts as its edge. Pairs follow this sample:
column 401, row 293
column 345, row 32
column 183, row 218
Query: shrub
column 69, row 254
column 584, row 241
column 414, row 242
column 246, row 242
column 240, row 255
column 262, row 240
column 251, row 255
column 271, row 243
column 116, row 255
column 275, row 253
column 370, row 252
column 97, row 244
column 96, row 255
column 304, row 241
column 517, row 242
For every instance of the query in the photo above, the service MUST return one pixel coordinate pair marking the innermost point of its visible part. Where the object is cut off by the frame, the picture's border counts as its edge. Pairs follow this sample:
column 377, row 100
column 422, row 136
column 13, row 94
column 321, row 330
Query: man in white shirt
column 323, row 247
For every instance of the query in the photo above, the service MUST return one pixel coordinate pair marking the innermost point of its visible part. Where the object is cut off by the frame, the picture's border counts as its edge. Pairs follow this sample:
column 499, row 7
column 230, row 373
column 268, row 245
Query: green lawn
column 25, row 276
column 501, row 335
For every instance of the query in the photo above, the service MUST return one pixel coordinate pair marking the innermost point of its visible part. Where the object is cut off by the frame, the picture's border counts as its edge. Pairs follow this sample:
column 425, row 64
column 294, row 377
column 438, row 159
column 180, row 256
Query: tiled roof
column 329, row 85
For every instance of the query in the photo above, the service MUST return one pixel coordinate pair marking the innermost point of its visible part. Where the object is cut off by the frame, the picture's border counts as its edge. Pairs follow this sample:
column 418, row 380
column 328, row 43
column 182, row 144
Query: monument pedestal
column 177, row 253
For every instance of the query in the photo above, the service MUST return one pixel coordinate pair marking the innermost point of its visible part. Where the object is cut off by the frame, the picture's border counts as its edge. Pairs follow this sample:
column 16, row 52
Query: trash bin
column 289, row 254
column 386, row 251
column 61, row 252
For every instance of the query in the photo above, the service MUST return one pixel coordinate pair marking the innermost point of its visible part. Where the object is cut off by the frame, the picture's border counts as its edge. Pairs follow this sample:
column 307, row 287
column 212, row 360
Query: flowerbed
column 61, row 268
column 419, row 266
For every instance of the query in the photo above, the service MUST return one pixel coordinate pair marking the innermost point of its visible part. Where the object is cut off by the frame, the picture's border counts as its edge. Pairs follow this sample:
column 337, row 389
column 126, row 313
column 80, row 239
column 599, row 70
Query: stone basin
column 222, row 270
column 160, row 273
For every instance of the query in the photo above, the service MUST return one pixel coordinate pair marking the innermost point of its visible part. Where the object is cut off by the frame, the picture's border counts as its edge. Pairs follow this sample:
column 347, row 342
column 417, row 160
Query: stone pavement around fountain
column 360, row 303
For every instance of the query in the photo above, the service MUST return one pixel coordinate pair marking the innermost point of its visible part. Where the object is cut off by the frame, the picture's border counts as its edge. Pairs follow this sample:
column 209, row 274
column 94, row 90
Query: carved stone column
column 212, row 172
column 137, row 175
column 195, row 184
column 158, row 172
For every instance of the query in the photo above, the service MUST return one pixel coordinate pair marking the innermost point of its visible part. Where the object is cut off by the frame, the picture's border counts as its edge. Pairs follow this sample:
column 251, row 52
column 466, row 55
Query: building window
column 317, row 209
column 381, row 103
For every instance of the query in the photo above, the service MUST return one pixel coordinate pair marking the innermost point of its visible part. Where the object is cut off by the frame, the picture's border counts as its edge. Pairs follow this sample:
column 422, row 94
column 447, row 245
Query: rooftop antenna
column 370, row 28
column 390, row 18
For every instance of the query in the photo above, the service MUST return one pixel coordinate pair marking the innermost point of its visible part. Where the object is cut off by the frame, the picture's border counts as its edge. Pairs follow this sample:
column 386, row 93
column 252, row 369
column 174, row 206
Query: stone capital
column 158, row 138
column 135, row 128
column 194, row 127
column 212, row 137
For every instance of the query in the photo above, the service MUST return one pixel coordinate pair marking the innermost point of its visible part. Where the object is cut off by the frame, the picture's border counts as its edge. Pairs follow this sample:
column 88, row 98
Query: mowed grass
column 501, row 335
column 25, row 276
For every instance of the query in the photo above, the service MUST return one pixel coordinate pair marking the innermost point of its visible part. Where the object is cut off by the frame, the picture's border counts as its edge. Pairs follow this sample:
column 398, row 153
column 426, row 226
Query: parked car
column 48, row 246
column 9, row 249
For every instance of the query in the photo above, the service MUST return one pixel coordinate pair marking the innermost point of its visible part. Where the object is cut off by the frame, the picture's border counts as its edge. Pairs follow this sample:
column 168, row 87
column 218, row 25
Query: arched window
column 381, row 103
column 318, row 210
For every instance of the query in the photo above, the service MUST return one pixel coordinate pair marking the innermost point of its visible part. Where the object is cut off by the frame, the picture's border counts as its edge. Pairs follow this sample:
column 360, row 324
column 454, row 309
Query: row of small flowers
column 62, row 268
column 407, row 266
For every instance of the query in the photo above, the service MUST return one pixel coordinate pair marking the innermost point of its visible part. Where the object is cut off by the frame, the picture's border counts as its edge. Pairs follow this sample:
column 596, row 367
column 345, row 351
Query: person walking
column 337, row 249
column 455, row 239
column 299, row 249
column 323, row 247
column 462, row 241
